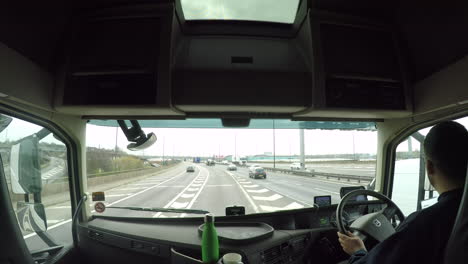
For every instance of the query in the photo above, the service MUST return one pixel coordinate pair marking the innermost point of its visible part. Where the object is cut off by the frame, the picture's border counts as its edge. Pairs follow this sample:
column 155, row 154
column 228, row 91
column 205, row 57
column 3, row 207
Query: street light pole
column 115, row 150
column 274, row 147
column 164, row 139
column 235, row 147
column 354, row 148
column 301, row 138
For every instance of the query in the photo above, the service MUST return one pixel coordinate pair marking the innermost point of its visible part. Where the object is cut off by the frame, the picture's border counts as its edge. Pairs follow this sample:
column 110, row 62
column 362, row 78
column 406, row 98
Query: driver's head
column 446, row 150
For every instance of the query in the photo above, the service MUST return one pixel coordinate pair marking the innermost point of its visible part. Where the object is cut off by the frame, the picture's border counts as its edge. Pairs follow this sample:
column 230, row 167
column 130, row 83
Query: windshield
column 286, row 176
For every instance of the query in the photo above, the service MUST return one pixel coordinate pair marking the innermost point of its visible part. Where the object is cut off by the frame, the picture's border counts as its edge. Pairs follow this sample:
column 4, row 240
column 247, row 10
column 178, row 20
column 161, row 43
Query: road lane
column 299, row 188
column 221, row 191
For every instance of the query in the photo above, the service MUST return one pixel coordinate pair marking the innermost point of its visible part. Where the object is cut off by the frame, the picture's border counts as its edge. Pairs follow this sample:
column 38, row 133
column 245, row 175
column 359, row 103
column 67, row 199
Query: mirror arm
column 37, row 197
column 42, row 133
column 133, row 133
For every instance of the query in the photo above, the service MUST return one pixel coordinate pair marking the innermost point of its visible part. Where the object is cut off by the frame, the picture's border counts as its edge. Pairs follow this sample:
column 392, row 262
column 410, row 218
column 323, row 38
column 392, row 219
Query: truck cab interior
column 105, row 104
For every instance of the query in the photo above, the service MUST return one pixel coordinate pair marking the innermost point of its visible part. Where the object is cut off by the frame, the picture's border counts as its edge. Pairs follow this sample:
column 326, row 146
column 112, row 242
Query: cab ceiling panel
column 34, row 28
column 241, row 75
column 435, row 33
column 382, row 10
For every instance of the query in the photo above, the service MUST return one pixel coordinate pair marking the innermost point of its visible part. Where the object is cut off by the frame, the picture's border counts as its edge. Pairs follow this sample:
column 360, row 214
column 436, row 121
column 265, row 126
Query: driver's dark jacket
column 421, row 238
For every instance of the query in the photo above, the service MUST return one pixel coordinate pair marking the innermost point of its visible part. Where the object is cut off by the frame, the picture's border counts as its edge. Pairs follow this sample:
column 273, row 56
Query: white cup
column 232, row 258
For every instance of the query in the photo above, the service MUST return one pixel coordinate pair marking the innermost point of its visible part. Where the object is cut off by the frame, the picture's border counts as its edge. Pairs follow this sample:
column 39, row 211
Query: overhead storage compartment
column 119, row 59
column 358, row 69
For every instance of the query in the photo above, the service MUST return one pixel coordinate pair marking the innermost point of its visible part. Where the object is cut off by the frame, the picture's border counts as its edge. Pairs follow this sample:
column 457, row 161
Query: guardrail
column 347, row 177
column 323, row 174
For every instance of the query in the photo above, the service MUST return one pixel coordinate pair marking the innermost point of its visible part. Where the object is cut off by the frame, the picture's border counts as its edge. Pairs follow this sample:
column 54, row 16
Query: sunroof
column 279, row 11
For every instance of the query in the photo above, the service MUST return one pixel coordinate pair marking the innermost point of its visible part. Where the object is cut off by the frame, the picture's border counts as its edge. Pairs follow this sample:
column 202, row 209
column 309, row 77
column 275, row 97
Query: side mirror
column 25, row 170
column 31, row 217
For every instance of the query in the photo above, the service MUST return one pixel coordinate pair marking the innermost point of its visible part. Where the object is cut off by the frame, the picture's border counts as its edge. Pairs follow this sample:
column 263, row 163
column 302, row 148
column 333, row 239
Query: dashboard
column 299, row 236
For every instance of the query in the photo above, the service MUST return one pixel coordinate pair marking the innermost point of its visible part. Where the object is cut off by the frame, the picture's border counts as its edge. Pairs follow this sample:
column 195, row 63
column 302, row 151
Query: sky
column 223, row 141
column 243, row 142
column 283, row 11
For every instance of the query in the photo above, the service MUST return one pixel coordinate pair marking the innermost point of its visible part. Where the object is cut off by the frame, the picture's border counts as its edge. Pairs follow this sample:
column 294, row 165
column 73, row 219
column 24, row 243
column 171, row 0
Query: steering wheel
column 376, row 225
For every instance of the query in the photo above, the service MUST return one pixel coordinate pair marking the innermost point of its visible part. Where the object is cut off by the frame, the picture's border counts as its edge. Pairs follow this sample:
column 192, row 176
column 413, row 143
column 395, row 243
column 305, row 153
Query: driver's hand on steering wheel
column 350, row 242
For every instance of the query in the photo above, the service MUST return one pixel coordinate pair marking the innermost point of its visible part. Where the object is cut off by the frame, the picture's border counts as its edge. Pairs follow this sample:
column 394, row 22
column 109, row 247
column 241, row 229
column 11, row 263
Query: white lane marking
column 199, row 191
column 168, row 186
column 130, row 189
column 323, row 190
column 192, row 189
column 290, row 206
column 60, row 207
column 251, row 186
column 258, row 191
column 140, row 184
column 118, row 195
column 121, row 200
column 219, row 185
column 272, row 198
column 254, row 206
column 187, row 195
column 51, row 222
column 246, row 182
column 176, row 197
column 196, row 185
column 147, row 189
column 178, row 205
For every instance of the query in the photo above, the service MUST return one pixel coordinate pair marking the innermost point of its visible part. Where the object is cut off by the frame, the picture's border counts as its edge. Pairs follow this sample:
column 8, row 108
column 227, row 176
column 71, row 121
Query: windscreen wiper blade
column 162, row 210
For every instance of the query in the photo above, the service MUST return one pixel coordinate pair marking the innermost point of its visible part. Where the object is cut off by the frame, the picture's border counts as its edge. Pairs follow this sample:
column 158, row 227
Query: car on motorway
column 295, row 166
column 232, row 167
column 253, row 166
column 190, row 169
column 257, row 172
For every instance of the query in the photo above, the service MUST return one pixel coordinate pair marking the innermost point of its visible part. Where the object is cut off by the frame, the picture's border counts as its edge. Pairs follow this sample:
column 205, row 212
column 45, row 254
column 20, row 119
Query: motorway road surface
column 210, row 188
column 54, row 170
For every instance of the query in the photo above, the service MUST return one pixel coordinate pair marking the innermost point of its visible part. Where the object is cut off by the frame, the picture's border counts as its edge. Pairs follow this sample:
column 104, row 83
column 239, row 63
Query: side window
column 406, row 174
column 410, row 179
column 35, row 168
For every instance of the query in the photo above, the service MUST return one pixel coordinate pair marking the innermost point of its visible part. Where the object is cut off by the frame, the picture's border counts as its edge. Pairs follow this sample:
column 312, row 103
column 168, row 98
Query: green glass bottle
column 210, row 243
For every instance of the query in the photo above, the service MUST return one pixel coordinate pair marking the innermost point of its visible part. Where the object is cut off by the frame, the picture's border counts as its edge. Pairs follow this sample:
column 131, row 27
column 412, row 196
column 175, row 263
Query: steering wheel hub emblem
column 377, row 223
